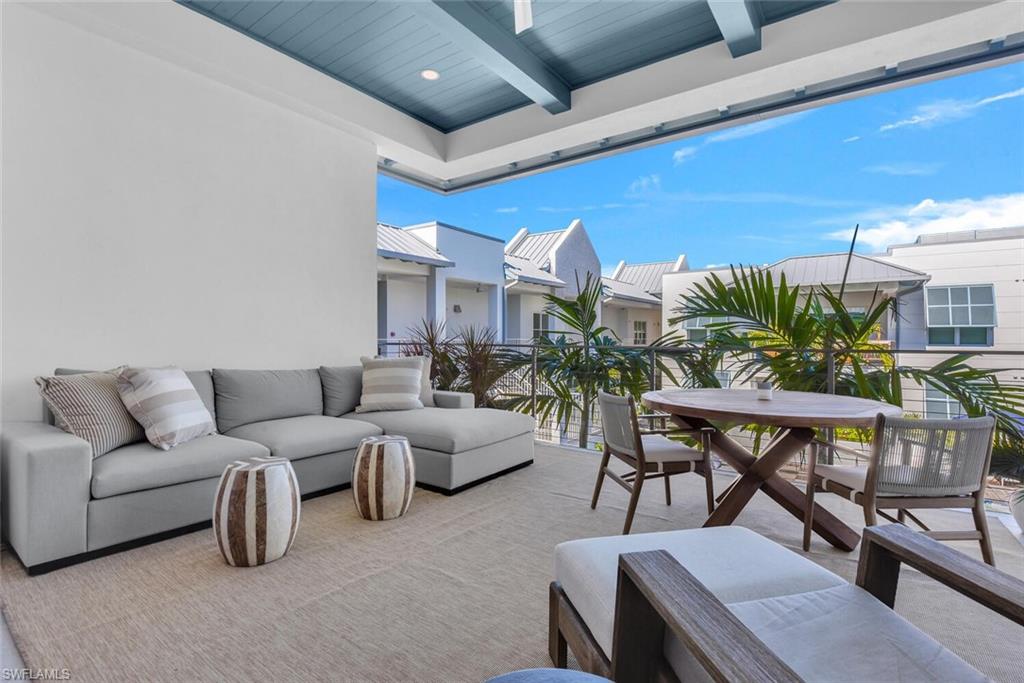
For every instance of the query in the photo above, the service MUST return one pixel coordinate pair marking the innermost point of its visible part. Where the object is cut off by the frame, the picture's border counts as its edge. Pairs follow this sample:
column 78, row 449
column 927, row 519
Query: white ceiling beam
column 740, row 24
column 478, row 35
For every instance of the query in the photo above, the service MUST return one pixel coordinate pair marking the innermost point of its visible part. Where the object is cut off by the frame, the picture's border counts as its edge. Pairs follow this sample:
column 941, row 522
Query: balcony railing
column 526, row 384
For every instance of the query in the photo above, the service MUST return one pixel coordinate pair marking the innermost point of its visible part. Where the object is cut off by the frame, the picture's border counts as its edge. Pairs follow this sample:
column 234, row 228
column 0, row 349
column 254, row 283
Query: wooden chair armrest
column 884, row 548
column 655, row 592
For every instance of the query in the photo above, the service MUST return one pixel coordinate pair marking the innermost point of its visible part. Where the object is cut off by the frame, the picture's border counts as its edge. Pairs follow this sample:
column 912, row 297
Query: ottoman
column 256, row 511
column 383, row 477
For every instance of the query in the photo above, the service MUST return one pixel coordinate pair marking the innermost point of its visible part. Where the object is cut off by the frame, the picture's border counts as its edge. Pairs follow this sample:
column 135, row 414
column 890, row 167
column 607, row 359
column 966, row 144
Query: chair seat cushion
column 142, row 466
column 307, row 435
column 735, row 564
column 809, row 631
column 449, row 430
column 851, row 480
column 658, row 448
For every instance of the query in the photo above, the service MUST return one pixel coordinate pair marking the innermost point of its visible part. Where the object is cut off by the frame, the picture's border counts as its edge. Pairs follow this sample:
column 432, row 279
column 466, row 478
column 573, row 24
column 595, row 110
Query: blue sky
column 946, row 155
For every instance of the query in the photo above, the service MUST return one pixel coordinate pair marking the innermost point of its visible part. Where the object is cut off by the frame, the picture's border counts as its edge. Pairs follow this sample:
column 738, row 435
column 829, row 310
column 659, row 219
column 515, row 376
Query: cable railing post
column 533, row 381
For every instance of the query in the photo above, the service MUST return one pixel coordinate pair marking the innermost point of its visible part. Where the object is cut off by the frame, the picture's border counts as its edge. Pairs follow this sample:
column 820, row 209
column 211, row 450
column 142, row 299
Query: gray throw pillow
column 391, row 384
column 89, row 406
column 166, row 404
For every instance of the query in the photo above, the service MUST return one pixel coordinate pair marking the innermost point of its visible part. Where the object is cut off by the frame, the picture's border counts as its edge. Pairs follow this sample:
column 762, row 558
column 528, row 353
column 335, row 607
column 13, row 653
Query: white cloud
column 900, row 225
column 507, row 209
column 905, row 168
column 852, row 138
column 758, row 127
column 591, row 207
column 683, row 154
column 717, row 265
column 943, row 111
column 644, row 185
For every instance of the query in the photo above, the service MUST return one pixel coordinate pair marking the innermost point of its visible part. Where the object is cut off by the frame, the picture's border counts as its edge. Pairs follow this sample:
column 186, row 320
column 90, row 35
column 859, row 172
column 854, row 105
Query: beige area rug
column 454, row 591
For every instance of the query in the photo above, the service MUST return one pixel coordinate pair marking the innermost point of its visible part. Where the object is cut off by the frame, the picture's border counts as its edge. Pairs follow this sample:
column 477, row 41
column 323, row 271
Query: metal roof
column 536, row 247
column 524, row 270
column 627, row 291
column 827, row 269
column 486, row 69
column 646, row 276
column 964, row 236
column 396, row 243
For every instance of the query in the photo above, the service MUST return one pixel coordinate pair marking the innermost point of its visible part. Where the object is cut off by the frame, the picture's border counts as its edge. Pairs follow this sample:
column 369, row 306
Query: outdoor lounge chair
column 727, row 604
column 915, row 464
column 650, row 453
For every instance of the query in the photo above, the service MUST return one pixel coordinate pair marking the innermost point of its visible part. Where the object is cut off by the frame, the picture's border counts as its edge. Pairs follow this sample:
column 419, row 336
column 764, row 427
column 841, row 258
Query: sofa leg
column 558, row 649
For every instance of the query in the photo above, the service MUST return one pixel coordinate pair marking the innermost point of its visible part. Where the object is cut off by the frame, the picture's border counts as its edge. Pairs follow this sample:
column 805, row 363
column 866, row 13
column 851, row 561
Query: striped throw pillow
column 88, row 406
column 391, row 384
column 166, row 404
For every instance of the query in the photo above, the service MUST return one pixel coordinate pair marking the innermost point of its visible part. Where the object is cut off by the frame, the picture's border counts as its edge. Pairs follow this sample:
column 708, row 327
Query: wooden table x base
column 762, row 473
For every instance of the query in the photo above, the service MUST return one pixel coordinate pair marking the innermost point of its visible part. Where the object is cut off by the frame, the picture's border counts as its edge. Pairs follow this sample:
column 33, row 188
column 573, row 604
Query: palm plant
column 581, row 361
column 810, row 341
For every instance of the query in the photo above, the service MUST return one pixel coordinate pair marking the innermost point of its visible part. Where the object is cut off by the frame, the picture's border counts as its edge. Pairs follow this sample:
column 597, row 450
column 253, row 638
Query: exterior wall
column 674, row 285
column 521, row 308
column 479, row 261
column 999, row 262
column 620, row 319
column 152, row 216
column 575, row 255
column 406, row 306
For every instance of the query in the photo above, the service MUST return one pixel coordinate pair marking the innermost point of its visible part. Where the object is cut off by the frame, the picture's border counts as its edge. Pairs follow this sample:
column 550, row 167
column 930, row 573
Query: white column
column 494, row 312
column 436, row 299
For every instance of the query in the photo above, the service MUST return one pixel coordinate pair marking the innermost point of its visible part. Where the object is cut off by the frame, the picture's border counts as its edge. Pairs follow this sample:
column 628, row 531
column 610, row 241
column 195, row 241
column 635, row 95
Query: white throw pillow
column 166, row 404
column 391, row 384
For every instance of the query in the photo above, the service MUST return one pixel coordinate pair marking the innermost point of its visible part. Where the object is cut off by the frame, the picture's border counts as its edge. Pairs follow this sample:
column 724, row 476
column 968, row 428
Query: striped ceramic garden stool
column 256, row 511
column 383, row 477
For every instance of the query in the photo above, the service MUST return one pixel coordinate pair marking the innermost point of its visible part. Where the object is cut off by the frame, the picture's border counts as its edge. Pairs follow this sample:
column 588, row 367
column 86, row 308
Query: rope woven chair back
column 933, row 457
column 618, row 422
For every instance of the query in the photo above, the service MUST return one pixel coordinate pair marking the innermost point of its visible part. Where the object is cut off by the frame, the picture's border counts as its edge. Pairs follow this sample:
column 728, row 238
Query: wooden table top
column 786, row 409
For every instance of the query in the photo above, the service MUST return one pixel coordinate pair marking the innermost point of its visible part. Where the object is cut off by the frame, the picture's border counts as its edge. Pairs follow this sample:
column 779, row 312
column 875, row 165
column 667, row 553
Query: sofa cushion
column 246, row 396
column 303, row 437
column 202, row 380
column 142, row 466
column 808, row 630
column 165, row 402
column 450, row 431
column 734, row 563
column 342, row 387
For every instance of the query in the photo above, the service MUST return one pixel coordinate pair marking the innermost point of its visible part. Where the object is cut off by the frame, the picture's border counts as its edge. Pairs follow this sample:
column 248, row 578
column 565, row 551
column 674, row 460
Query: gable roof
column 524, row 270
column 535, row 247
column 395, row 243
column 828, row 269
column 647, row 276
column 617, row 289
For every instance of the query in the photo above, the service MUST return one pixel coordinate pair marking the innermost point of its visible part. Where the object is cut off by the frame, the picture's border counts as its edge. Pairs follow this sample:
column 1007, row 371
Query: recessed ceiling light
column 430, row 75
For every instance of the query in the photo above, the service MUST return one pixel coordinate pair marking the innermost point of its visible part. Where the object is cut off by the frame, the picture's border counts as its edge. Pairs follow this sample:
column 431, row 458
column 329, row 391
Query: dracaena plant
column 782, row 333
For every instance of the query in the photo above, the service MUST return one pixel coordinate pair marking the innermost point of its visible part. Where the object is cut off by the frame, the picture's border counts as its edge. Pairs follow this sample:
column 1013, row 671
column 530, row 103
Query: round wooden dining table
column 797, row 413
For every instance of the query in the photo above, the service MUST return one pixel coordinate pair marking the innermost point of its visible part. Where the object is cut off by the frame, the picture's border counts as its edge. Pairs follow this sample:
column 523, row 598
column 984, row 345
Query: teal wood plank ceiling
column 380, row 47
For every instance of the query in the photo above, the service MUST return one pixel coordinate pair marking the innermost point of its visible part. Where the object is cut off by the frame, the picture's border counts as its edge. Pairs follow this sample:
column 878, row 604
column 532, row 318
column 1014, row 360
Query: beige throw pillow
column 88, row 406
column 166, row 404
column 391, row 384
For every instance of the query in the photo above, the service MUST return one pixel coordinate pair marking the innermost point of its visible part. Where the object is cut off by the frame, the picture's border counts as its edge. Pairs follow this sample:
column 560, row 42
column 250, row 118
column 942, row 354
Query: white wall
column 474, row 305
column 152, row 215
column 407, row 306
column 575, row 256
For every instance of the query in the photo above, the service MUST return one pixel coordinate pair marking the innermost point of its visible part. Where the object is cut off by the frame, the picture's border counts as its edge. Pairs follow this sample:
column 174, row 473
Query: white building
column 974, row 302
column 541, row 263
column 633, row 306
column 440, row 273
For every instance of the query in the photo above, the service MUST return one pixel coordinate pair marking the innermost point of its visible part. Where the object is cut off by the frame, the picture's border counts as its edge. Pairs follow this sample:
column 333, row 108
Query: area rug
column 454, row 591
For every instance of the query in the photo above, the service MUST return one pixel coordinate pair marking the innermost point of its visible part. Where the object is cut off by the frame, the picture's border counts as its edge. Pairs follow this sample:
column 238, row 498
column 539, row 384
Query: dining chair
column 914, row 464
column 650, row 453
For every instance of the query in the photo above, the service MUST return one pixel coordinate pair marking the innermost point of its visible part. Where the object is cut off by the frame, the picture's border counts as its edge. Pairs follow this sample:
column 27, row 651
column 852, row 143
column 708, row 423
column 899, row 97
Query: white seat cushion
column 735, row 564
column 809, row 616
column 661, row 449
column 854, row 478
column 838, row 634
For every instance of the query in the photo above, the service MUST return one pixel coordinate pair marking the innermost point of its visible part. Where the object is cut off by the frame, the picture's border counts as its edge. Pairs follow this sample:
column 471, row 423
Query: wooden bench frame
column 656, row 593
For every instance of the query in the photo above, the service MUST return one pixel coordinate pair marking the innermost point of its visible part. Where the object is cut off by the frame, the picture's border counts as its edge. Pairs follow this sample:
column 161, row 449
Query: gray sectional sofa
column 61, row 505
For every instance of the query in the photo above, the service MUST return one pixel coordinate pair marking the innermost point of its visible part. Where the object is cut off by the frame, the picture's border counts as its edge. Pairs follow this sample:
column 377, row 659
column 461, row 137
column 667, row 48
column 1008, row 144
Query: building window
column 541, row 325
column 697, row 328
column 961, row 316
column 640, row 333
column 939, row 406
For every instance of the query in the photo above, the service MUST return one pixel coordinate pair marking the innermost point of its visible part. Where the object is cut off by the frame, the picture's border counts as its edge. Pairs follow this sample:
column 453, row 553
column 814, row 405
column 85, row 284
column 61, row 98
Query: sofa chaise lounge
column 61, row 505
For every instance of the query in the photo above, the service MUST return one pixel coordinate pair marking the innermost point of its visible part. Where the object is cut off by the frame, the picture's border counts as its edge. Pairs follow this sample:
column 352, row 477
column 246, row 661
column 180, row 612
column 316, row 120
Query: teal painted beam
column 740, row 24
column 477, row 34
